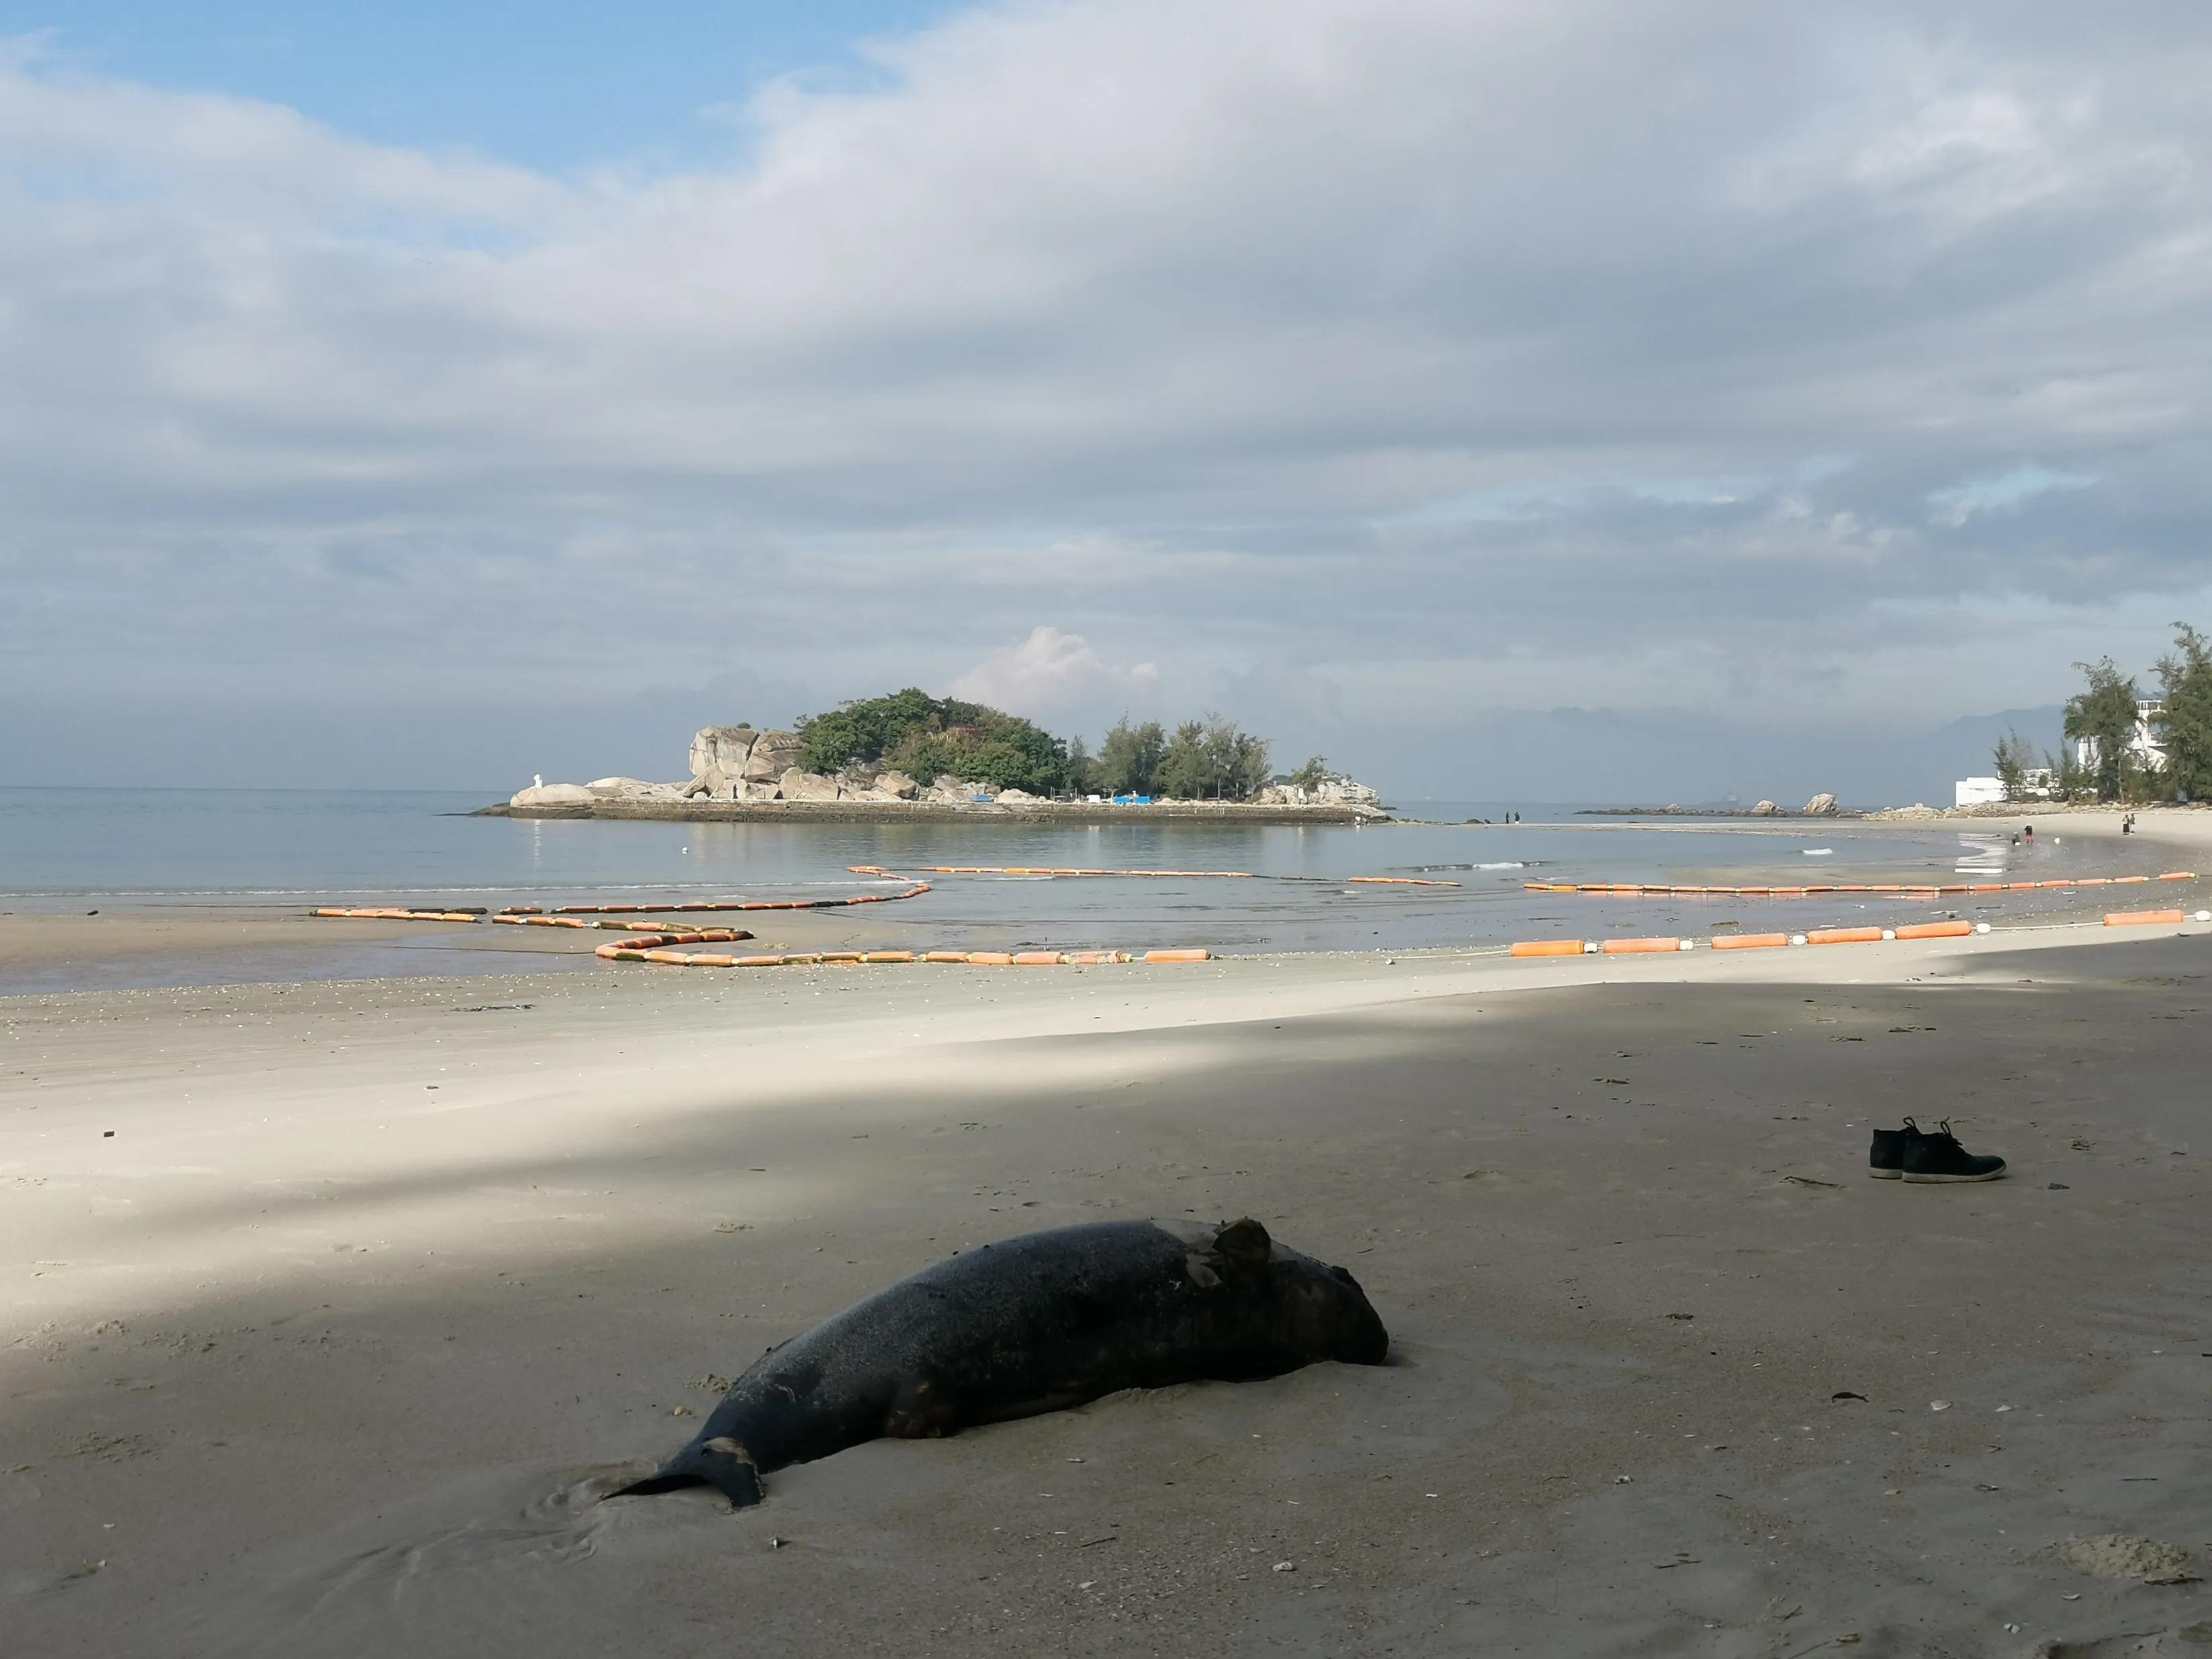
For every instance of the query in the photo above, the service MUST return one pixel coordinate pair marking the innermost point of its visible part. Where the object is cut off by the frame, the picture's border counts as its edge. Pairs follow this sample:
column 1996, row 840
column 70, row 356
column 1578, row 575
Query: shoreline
column 49, row 945
column 901, row 811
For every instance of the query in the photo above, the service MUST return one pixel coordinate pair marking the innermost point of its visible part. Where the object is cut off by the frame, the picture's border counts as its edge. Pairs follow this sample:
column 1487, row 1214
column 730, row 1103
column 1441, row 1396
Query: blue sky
column 555, row 83
column 389, row 394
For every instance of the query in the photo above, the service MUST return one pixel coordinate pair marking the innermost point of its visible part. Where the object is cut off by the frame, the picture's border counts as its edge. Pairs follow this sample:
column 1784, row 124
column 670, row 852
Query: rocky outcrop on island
column 744, row 764
column 1822, row 806
column 740, row 762
column 630, row 789
column 553, row 794
column 1333, row 789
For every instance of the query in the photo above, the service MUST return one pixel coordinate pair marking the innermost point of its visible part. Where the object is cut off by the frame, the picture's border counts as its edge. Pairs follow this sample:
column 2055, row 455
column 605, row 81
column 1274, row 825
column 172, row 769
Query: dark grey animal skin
column 1036, row 1323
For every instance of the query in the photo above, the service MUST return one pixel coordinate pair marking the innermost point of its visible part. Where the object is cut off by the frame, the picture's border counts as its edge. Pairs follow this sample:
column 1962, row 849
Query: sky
column 1595, row 401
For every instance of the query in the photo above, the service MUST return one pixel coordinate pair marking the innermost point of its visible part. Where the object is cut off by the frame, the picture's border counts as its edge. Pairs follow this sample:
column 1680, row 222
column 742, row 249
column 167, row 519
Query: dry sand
column 331, row 1307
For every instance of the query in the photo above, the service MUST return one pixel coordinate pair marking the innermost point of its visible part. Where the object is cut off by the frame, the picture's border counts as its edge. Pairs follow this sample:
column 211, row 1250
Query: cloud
column 2003, row 492
column 1049, row 672
column 1467, row 355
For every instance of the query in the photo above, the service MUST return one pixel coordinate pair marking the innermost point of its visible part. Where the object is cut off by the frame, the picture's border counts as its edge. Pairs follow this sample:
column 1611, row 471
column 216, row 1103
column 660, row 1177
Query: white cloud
column 1486, row 351
column 2003, row 492
column 1049, row 672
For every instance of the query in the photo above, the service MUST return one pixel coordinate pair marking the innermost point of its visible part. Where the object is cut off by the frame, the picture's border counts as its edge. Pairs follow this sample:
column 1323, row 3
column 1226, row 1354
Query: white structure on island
column 1977, row 792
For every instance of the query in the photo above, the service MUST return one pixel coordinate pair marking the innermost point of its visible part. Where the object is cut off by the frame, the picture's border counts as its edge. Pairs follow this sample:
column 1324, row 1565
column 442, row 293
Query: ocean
column 72, row 848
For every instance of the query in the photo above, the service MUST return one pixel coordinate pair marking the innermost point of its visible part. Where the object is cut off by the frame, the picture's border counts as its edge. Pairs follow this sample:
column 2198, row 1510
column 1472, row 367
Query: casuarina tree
column 2103, row 715
column 2184, row 727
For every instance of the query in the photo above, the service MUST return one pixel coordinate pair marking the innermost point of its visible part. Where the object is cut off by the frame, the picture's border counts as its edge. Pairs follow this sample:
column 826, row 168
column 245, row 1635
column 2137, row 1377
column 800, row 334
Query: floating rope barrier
column 1907, row 931
column 658, row 944
column 575, row 915
column 1162, row 875
column 1652, row 889
column 653, row 947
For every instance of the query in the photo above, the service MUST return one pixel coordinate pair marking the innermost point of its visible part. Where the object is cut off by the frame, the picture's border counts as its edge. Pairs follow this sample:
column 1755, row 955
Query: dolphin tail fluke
column 721, row 1463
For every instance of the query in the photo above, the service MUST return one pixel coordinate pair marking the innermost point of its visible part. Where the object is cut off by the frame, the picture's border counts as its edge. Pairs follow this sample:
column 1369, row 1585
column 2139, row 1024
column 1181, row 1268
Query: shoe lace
column 1942, row 1132
column 1910, row 1128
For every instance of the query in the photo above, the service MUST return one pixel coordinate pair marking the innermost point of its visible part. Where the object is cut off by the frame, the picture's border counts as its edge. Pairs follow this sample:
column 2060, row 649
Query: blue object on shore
column 1133, row 800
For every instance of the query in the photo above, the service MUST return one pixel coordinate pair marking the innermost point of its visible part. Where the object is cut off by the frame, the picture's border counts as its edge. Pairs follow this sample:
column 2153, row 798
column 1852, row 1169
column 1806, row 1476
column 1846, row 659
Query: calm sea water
column 60, row 848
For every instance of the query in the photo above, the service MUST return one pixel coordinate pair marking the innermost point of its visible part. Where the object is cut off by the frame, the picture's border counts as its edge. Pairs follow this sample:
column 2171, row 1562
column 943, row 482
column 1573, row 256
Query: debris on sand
column 2123, row 1555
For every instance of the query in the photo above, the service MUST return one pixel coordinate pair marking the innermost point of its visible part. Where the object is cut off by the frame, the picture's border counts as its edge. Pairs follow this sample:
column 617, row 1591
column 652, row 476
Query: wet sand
column 133, row 946
column 332, row 1307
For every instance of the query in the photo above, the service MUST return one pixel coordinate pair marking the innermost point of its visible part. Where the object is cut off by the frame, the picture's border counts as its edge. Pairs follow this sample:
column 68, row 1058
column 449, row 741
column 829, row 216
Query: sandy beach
column 334, row 1307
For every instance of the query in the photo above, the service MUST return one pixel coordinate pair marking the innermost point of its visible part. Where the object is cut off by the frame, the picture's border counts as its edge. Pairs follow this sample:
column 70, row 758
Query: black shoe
column 1885, row 1157
column 1939, row 1157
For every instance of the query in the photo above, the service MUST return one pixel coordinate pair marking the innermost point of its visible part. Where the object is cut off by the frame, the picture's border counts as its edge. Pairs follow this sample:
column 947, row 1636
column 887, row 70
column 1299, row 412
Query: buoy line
column 1652, row 889
column 656, row 945
column 574, row 915
column 1815, row 936
column 653, row 947
column 1162, row 875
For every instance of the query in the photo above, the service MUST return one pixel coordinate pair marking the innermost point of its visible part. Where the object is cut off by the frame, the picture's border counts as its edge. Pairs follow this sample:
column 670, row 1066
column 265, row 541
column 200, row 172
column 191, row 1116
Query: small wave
column 1433, row 869
column 1818, row 852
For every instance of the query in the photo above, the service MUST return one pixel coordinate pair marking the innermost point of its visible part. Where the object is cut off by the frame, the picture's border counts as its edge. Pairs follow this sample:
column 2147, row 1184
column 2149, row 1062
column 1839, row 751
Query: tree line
column 1210, row 758
column 2104, row 758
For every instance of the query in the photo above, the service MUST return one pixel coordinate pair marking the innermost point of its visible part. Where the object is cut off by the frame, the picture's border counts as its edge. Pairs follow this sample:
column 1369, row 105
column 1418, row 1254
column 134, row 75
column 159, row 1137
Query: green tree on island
column 927, row 737
column 1313, row 773
column 1211, row 760
column 1129, row 759
column 2185, row 728
column 1082, row 768
column 2105, row 714
column 2014, row 757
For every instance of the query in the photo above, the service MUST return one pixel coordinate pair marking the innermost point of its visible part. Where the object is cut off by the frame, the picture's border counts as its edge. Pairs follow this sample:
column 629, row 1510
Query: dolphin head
column 1317, row 1311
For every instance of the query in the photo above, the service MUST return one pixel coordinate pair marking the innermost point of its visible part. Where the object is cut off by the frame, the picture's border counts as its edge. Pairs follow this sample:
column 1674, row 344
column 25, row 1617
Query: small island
column 1822, row 806
column 867, row 760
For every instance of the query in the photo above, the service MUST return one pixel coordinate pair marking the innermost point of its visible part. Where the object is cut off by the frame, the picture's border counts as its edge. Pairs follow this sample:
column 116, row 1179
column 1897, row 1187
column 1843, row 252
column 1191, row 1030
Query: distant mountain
column 1661, row 756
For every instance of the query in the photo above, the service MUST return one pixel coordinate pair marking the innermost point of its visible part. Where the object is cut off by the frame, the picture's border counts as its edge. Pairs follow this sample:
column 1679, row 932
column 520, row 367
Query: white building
column 2144, row 746
column 1977, row 792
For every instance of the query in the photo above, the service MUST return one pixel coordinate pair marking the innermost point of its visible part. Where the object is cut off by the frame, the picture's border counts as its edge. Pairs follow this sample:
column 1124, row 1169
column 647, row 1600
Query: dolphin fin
column 1244, row 1241
column 721, row 1463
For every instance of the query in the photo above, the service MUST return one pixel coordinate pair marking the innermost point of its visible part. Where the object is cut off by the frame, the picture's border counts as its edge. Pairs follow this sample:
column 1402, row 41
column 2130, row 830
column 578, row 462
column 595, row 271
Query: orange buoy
column 1545, row 947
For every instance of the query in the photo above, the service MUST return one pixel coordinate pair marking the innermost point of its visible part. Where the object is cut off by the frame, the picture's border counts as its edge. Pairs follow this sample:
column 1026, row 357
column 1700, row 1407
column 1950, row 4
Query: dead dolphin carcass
column 1035, row 1324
